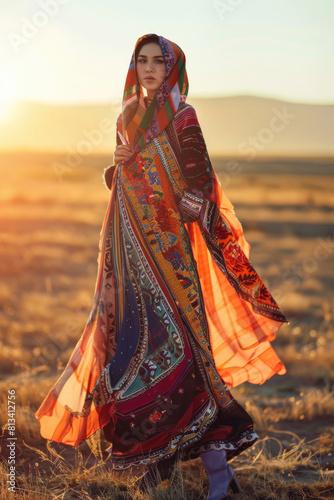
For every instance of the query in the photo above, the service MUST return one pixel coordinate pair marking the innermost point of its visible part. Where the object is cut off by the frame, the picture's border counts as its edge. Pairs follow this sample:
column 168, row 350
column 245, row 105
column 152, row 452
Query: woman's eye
column 158, row 61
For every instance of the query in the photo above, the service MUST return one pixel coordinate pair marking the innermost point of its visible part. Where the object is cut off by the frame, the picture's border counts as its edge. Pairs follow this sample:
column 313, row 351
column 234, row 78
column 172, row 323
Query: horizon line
column 200, row 96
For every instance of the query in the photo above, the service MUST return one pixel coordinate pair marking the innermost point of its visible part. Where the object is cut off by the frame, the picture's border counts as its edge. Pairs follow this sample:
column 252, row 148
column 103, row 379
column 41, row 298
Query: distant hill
column 244, row 126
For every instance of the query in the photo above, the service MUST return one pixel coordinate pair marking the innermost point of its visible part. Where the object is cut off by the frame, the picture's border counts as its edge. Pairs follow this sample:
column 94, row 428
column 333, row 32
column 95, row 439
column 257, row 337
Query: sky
column 78, row 51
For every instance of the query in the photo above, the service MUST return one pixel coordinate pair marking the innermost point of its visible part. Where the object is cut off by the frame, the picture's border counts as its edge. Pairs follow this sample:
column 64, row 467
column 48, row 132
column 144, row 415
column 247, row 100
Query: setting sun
column 7, row 94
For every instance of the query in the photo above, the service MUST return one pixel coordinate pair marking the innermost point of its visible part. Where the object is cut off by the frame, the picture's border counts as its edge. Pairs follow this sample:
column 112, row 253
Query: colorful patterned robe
column 179, row 315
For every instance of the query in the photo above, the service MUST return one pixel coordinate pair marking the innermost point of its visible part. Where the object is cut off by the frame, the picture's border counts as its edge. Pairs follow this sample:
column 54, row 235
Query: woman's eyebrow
column 143, row 55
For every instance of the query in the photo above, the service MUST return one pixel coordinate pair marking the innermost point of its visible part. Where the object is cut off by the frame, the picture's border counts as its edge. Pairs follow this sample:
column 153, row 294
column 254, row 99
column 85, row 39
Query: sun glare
column 7, row 95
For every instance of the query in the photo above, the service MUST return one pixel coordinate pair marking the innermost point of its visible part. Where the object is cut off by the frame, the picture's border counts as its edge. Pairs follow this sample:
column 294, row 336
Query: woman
column 179, row 312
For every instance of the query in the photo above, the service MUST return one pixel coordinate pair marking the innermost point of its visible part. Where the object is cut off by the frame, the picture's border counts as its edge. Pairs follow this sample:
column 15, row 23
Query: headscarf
column 140, row 124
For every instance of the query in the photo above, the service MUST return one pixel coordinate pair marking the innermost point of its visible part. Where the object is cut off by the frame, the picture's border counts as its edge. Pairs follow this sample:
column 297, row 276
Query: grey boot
column 220, row 474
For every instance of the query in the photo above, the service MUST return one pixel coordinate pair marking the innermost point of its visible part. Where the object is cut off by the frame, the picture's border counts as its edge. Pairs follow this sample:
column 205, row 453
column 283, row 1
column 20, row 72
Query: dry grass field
column 49, row 230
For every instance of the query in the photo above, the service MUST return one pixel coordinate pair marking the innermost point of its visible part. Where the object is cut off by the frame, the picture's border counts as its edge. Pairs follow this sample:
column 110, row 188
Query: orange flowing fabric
column 240, row 337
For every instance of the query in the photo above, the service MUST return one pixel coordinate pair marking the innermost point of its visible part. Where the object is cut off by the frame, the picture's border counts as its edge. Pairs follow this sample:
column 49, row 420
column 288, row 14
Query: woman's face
column 151, row 68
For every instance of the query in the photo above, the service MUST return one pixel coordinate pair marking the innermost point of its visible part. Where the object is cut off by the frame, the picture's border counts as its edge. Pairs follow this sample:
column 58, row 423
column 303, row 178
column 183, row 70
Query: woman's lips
column 149, row 78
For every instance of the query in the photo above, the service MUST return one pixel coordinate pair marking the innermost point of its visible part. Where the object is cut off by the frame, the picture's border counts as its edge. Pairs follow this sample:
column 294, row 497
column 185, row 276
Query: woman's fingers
column 120, row 158
column 123, row 155
column 122, row 152
column 124, row 148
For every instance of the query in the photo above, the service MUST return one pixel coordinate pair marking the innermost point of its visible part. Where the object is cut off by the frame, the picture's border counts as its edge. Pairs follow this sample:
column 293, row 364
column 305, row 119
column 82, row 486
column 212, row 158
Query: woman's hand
column 122, row 152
